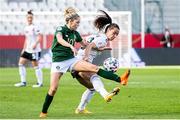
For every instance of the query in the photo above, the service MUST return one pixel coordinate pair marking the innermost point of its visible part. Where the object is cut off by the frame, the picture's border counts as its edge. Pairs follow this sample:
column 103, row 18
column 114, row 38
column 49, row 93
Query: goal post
column 121, row 47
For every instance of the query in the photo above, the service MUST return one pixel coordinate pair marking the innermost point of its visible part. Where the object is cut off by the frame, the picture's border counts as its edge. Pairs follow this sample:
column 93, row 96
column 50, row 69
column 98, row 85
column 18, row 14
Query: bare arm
column 84, row 43
column 64, row 43
column 38, row 40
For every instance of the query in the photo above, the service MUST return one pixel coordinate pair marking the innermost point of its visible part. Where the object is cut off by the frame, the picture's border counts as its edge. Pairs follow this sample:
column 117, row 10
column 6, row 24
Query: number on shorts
column 35, row 56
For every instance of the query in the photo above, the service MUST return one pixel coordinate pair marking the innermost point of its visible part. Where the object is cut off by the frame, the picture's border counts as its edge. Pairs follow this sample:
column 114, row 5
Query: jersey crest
column 59, row 28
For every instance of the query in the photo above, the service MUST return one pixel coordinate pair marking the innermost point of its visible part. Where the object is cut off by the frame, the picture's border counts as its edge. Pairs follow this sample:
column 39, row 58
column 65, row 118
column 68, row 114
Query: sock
column 108, row 75
column 22, row 73
column 86, row 97
column 98, row 85
column 39, row 75
column 47, row 103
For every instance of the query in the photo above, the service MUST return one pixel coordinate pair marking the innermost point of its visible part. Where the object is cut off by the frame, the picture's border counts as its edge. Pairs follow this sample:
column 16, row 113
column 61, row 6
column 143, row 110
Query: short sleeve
column 100, row 42
column 78, row 37
column 59, row 29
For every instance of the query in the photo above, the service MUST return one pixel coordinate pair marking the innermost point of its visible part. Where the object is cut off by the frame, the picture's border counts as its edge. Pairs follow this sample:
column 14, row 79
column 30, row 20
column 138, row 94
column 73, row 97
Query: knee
column 94, row 68
column 52, row 90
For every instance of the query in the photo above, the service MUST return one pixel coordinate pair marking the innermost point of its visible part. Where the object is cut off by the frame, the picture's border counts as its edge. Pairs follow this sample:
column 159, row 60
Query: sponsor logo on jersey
column 59, row 28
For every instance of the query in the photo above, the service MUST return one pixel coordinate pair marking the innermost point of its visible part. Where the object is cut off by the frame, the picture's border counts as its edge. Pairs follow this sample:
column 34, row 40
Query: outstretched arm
column 38, row 40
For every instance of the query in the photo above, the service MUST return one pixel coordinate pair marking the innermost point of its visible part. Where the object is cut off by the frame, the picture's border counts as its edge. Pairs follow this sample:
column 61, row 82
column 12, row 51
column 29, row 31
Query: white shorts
column 64, row 66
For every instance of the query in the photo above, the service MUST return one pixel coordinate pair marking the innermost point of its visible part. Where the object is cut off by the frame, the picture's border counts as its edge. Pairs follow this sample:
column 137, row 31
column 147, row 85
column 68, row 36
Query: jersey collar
column 68, row 30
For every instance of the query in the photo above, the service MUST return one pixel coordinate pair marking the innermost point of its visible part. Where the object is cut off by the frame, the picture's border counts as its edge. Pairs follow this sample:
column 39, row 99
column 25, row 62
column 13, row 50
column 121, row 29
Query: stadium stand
column 159, row 13
column 49, row 5
column 157, row 19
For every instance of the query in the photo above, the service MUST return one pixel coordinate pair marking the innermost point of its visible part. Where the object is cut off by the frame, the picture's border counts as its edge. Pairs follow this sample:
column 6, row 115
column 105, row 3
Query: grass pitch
column 150, row 93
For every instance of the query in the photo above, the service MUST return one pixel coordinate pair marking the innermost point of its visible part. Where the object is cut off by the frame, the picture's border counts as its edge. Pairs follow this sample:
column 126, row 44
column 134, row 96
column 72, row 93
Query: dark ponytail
column 103, row 21
column 29, row 12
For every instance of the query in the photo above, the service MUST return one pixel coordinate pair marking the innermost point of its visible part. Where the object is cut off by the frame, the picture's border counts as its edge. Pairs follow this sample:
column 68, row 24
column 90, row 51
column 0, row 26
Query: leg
column 84, row 80
column 86, row 97
column 55, row 77
column 84, row 66
column 85, row 77
column 52, row 90
column 22, row 72
column 99, row 86
column 94, row 81
column 39, row 74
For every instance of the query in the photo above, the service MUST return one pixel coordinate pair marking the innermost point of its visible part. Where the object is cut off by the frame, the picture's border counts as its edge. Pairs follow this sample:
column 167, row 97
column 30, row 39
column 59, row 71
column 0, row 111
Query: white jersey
column 31, row 33
column 100, row 41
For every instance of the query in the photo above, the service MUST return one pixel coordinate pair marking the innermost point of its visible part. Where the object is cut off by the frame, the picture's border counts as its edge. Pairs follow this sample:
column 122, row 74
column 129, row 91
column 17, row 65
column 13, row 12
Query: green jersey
column 59, row 52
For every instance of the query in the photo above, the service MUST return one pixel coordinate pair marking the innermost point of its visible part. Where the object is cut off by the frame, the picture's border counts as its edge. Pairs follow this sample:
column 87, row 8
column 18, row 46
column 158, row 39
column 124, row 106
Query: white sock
column 22, row 72
column 86, row 97
column 98, row 85
column 39, row 75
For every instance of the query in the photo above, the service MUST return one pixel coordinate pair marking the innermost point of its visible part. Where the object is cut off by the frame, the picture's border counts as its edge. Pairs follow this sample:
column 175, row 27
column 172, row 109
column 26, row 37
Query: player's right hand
column 85, row 58
column 74, row 50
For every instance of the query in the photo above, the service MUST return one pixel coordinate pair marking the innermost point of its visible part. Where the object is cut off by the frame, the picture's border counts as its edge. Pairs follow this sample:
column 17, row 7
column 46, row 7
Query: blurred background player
column 108, row 31
column 167, row 40
column 31, row 52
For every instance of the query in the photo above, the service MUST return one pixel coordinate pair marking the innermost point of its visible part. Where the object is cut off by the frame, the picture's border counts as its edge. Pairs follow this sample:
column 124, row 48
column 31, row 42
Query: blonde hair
column 70, row 14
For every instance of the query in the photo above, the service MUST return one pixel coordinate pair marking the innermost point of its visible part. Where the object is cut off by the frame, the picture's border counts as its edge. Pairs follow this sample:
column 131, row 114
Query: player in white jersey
column 31, row 52
column 100, row 41
column 97, row 43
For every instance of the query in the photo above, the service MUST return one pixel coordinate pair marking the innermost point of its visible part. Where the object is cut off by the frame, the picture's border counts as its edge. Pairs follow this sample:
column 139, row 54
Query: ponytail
column 29, row 12
column 104, row 22
column 70, row 13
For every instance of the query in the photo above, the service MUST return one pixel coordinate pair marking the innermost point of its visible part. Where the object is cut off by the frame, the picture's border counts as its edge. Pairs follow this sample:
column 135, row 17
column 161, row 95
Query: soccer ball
column 111, row 64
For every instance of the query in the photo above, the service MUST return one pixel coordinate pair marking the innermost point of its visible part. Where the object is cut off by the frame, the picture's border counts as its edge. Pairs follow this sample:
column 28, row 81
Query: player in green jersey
column 63, row 57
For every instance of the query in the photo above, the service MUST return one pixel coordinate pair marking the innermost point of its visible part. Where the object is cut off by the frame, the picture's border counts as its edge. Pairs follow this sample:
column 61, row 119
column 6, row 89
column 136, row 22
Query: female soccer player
column 63, row 52
column 97, row 43
column 31, row 52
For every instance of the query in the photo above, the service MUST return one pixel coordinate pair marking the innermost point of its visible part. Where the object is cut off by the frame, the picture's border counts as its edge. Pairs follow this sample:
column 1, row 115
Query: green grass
column 151, row 93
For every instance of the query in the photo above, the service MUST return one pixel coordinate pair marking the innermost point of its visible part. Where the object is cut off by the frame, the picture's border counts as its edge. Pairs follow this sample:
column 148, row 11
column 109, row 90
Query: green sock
column 47, row 102
column 108, row 75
